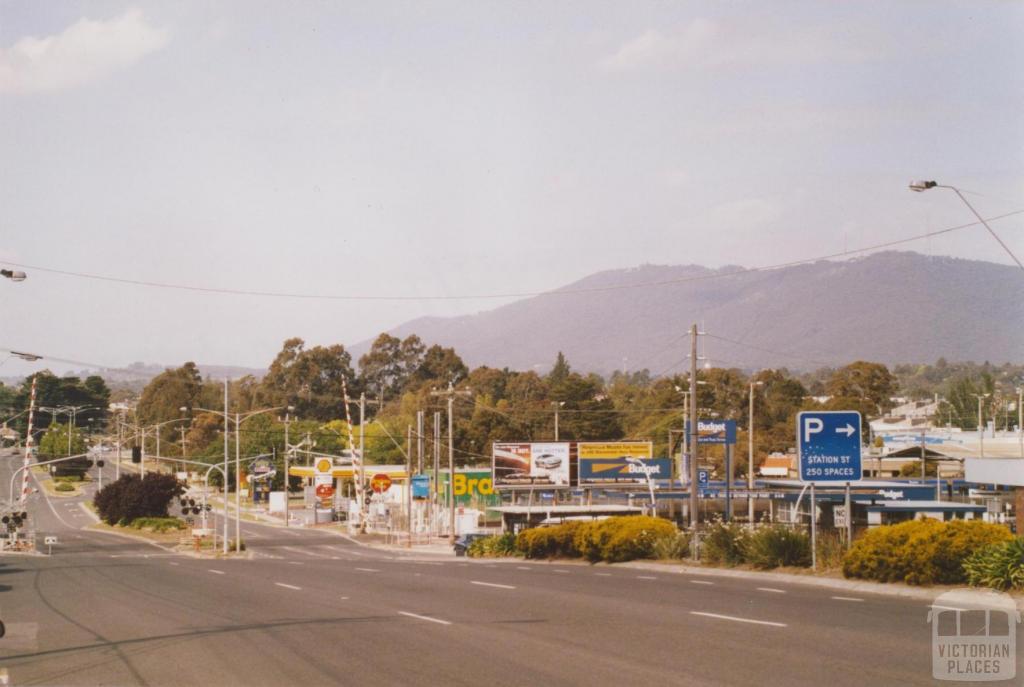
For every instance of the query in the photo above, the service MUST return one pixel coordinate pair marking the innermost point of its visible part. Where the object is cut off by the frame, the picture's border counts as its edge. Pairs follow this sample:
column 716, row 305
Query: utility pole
column 557, row 406
column 419, row 442
column 451, row 393
column 184, row 455
column 750, row 457
column 694, row 518
column 437, row 460
column 238, row 484
column 408, row 485
column 120, row 440
column 287, row 451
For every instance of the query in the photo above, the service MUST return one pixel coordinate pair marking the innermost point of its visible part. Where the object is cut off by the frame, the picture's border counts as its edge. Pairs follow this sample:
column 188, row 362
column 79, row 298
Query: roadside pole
column 694, row 517
column 849, row 518
column 814, row 531
column 287, row 449
column 227, row 432
column 450, row 392
column 408, row 486
column 437, row 468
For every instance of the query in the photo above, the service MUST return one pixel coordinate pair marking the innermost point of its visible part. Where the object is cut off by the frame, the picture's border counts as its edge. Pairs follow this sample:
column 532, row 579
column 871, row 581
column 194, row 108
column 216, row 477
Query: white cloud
column 85, row 52
column 709, row 44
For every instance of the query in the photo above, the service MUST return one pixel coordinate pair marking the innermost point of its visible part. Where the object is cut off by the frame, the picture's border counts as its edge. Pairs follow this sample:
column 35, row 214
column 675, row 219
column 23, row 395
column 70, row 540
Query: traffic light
column 99, row 463
column 136, row 454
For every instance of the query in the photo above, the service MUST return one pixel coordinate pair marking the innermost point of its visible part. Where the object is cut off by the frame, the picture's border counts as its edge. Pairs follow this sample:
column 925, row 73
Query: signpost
column 828, row 448
column 380, row 483
column 50, row 541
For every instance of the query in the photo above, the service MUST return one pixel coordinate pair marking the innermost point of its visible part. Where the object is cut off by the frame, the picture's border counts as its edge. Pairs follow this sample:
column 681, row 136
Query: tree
column 310, row 380
column 386, row 368
column 55, row 441
column 439, row 367
column 130, row 497
column 863, row 381
column 168, row 392
column 560, row 370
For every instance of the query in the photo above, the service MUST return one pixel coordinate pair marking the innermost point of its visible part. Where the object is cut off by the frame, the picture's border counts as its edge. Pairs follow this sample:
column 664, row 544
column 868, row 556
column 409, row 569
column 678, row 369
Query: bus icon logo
column 974, row 636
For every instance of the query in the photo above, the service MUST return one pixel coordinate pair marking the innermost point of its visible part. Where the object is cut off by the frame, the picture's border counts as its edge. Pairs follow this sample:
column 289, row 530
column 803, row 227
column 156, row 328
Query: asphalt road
column 317, row 609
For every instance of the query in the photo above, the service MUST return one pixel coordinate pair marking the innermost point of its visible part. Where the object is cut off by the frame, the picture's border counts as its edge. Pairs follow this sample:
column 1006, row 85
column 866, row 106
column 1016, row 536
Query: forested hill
column 891, row 307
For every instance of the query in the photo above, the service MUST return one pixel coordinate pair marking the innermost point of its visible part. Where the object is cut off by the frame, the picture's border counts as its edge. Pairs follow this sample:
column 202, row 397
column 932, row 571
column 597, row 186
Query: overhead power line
column 510, row 294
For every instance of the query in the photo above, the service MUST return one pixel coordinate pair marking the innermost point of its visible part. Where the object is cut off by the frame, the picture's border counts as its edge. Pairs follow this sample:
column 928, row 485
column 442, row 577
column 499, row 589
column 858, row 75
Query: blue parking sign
column 828, row 445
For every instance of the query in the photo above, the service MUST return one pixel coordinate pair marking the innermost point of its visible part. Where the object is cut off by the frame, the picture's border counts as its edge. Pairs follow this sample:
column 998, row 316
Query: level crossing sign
column 828, row 445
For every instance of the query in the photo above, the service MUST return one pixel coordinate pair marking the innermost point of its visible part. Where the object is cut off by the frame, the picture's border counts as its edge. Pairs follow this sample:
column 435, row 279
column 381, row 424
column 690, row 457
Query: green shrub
column 672, row 547
column 724, row 544
column 999, row 566
column 132, row 497
column 549, row 542
column 920, row 551
column 613, row 540
column 632, row 537
column 777, row 545
column 498, row 546
column 157, row 524
column 830, row 549
column 64, row 486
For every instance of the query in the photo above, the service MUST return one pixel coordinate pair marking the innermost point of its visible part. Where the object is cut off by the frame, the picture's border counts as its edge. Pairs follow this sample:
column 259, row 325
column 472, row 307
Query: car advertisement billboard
column 545, row 464
column 620, row 462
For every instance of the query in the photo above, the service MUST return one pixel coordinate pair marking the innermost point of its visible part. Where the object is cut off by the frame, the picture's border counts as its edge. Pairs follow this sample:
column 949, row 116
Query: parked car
column 462, row 543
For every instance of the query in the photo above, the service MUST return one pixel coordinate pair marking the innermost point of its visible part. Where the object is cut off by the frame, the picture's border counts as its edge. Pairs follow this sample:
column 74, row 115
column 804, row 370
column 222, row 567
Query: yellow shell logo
column 323, row 465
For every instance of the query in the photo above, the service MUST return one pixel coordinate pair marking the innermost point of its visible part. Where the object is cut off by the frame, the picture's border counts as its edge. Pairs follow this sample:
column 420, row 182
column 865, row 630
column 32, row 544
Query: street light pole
column 750, row 456
column 919, row 186
column 287, row 450
column 981, row 426
column 226, row 431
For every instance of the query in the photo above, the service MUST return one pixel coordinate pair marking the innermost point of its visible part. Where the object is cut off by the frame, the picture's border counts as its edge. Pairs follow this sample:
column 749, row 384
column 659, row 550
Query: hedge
column 999, row 566
column 613, row 540
column 921, row 552
column 500, row 545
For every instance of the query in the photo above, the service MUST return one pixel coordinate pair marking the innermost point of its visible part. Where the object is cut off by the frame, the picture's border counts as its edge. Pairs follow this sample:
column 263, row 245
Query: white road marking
column 171, row 563
column 288, row 586
column 425, row 617
column 295, row 563
column 522, row 567
column 492, row 584
column 216, row 572
column 564, row 572
column 700, row 582
column 344, row 598
column 305, row 552
column 603, row 574
column 368, row 569
column 772, row 590
column 738, row 620
column 646, row 577
column 846, row 598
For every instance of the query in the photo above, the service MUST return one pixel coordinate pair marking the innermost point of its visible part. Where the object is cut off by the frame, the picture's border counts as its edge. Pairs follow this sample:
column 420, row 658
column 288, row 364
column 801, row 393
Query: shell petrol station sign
column 323, row 480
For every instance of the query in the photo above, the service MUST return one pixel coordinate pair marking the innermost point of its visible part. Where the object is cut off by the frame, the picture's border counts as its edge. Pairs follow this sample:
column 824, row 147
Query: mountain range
column 890, row 307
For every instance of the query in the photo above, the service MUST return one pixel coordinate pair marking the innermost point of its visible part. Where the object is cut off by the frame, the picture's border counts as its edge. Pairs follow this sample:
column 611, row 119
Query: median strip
column 288, row 586
column 424, row 617
column 492, row 584
column 738, row 620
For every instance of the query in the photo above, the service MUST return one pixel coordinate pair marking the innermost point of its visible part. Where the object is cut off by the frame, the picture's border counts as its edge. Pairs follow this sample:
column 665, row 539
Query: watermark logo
column 974, row 636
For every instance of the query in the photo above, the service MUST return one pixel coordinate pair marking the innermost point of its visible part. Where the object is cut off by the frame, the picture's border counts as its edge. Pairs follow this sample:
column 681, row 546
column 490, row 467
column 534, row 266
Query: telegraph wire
column 512, row 294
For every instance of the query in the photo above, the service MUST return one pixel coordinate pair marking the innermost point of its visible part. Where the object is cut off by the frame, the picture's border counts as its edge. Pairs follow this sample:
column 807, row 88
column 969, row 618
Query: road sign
column 714, row 431
column 703, row 477
column 380, row 483
column 324, row 491
column 828, row 445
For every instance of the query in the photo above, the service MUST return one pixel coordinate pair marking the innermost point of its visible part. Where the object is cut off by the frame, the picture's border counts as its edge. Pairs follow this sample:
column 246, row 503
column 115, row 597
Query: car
column 548, row 461
column 462, row 543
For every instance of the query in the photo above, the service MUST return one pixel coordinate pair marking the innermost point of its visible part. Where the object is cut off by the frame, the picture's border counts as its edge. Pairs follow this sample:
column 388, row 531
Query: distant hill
column 891, row 307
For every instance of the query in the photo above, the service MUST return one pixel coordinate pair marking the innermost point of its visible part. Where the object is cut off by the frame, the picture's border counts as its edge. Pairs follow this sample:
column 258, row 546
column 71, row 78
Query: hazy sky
column 469, row 148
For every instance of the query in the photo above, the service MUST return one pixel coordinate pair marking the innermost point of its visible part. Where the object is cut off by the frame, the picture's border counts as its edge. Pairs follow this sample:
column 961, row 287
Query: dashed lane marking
column 288, row 586
column 646, row 577
column 738, row 620
column 367, row 569
column 700, row 582
column 846, row 598
column 492, row 584
column 216, row 572
column 772, row 590
column 424, row 617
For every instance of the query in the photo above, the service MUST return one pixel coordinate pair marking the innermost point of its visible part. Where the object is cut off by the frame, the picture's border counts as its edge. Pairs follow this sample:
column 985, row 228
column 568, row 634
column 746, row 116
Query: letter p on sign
column 812, row 425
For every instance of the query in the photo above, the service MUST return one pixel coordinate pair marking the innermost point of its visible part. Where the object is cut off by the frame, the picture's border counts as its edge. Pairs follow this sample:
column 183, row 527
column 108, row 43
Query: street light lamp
column 920, row 186
column 13, row 275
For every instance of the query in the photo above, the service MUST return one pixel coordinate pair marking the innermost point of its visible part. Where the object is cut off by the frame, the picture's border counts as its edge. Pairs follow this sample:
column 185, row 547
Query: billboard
column 620, row 462
column 714, row 431
column 544, row 464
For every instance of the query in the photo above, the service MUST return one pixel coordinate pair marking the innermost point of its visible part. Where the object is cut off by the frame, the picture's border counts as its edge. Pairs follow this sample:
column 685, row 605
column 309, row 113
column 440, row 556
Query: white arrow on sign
column 847, row 430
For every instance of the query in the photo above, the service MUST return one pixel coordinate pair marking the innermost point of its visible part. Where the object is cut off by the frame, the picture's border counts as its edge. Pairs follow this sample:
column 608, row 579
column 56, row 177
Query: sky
column 440, row 152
